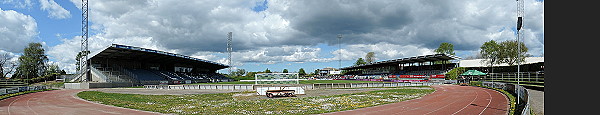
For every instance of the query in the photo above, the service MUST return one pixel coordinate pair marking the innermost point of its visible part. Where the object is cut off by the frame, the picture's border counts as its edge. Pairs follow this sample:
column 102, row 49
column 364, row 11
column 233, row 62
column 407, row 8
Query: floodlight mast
column 339, row 36
column 229, row 50
column 520, row 13
column 84, row 65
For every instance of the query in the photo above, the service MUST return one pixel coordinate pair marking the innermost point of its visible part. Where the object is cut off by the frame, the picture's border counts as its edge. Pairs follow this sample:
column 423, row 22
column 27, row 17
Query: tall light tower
column 339, row 36
column 229, row 50
column 520, row 13
column 84, row 65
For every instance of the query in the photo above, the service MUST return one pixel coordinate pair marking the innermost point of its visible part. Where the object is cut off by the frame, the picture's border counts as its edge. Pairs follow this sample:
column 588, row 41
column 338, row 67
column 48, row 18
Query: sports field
column 248, row 103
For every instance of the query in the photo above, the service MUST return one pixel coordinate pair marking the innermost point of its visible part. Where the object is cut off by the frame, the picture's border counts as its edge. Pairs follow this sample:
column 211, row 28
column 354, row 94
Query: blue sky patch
column 260, row 6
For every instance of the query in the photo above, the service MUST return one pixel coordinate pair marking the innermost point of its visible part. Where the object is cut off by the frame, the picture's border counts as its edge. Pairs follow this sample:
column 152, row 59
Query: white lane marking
column 477, row 94
column 486, row 106
column 21, row 96
column 30, row 107
column 447, row 104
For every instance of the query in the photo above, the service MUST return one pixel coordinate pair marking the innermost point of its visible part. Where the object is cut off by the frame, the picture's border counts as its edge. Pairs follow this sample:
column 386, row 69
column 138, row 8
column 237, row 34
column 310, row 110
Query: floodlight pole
column 340, row 51
column 520, row 13
column 229, row 50
column 84, row 62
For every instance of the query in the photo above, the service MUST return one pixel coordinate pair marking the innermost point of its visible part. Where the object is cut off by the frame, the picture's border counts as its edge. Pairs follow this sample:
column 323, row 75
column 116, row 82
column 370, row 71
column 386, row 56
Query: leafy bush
column 454, row 73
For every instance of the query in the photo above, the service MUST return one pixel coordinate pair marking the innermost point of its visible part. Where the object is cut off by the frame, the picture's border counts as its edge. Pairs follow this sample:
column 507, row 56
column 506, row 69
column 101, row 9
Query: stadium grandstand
column 424, row 68
column 142, row 66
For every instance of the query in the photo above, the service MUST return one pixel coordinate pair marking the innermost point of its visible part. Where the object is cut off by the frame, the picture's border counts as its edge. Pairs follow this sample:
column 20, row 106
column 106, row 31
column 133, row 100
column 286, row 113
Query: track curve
column 60, row 102
column 446, row 100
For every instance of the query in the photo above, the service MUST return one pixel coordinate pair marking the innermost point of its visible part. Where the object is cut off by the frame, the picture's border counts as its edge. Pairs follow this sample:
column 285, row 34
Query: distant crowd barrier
column 361, row 85
column 304, row 86
column 223, row 86
column 6, row 91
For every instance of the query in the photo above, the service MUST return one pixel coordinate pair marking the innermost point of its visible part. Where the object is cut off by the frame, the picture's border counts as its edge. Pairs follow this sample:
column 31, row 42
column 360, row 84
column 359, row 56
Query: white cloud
column 288, row 31
column 23, row 4
column 383, row 51
column 16, row 30
column 54, row 10
column 272, row 55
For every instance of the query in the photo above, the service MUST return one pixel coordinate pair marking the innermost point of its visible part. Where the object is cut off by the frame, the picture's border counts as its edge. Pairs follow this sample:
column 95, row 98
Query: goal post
column 276, row 78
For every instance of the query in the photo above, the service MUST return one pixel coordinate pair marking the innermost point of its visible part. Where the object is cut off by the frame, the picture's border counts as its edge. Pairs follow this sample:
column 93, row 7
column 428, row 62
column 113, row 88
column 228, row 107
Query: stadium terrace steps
column 146, row 75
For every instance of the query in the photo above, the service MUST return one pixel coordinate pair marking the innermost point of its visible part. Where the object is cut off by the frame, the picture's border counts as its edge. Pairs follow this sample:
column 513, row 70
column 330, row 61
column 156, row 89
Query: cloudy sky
column 288, row 34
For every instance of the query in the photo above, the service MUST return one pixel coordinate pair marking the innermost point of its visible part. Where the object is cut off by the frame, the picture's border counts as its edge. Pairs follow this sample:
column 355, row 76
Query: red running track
column 60, row 102
column 446, row 100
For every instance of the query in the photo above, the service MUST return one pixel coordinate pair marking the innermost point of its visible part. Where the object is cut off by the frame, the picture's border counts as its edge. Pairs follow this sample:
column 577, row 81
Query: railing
column 5, row 91
column 361, row 85
column 100, row 74
column 525, row 76
column 304, row 86
column 206, row 86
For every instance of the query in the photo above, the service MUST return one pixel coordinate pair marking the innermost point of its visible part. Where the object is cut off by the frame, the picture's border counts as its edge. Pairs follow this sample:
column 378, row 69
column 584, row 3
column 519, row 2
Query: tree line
column 31, row 67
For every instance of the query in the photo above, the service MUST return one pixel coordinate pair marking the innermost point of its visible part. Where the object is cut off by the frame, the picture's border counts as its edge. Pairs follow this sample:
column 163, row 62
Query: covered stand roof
column 395, row 62
column 148, row 55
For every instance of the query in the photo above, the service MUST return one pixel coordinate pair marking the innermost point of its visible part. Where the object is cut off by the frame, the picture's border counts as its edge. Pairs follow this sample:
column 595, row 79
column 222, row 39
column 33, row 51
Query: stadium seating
column 146, row 75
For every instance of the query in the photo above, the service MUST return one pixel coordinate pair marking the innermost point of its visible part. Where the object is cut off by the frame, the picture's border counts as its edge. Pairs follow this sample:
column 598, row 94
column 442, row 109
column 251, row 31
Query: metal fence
column 5, row 91
column 519, row 91
column 304, row 86
column 224, row 86
column 361, row 85
column 512, row 76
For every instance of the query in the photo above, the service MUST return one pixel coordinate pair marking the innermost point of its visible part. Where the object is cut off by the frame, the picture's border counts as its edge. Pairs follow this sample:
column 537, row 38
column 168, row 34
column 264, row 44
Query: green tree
column 490, row 51
column 267, row 71
column 32, row 63
column 301, row 72
column 52, row 69
column 6, row 65
column 238, row 72
column 251, row 74
column 446, row 48
column 370, row 57
column 78, row 58
column 285, row 71
column 509, row 53
column 454, row 73
column 360, row 61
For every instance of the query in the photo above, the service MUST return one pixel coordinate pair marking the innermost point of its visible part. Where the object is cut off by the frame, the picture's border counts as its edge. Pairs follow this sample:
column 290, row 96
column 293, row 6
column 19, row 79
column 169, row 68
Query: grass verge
column 234, row 103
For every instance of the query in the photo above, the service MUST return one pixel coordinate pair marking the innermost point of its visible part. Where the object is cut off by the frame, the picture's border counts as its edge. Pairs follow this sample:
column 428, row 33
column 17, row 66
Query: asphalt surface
column 446, row 100
column 536, row 101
